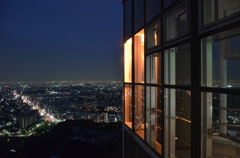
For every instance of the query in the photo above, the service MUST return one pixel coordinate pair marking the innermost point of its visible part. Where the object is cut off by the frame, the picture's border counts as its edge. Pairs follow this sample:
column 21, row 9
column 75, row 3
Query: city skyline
column 60, row 40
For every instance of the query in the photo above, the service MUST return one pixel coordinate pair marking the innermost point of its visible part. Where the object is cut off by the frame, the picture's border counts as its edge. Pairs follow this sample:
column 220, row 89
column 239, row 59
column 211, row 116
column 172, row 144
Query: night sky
column 46, row 40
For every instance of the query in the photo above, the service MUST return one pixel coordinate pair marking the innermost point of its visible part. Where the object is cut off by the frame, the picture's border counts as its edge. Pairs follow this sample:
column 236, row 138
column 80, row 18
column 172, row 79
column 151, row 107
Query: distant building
column 69, row 116
column 105, row 117
column 181, row 78
column 28, row 119
column 96, row 117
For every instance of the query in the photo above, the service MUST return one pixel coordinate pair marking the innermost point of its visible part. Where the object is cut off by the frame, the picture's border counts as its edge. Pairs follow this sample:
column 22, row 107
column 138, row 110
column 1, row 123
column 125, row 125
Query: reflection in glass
column 177, row 62
column 168, row 3
column 127, row 19
column 177, row 128
column 220, row 125
column 214, row 10
column 154, row 117
column 177, row 23
column 139, row 56
column 128, row 105
column 153, row 68
column 139, row 110
column 153, row 35
column 138, row 14
column 153, row 8
column 221, row 60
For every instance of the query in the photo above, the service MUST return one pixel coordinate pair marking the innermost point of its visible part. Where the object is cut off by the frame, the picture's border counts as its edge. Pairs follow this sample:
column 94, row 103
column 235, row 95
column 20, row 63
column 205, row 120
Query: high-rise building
column 181, row 78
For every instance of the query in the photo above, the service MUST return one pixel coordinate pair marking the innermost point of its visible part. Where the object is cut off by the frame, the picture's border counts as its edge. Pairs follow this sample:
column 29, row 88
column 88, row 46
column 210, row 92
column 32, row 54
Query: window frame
column 188, row 34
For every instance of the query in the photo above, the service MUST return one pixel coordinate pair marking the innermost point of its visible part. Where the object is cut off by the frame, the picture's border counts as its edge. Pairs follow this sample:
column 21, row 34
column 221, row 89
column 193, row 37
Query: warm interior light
column 142, row 38
column 129, row 41
column 139, row 56
column 128, row 105
column 155, row 38
column 128, row 61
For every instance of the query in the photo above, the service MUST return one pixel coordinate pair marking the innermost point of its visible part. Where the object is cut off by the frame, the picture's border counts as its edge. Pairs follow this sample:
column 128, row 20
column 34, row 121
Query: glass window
column 154, row 117
column 177, row 123
column 208, row 11
column 177, row 23
column 153, row 35
column 218, row 9
column 168, row 3
column 220, row 125
column 128, row 61
column 221, row 60
column 153, row 8
column 177, row 62
column 139, row 110
column 128, row 105
column 138, row 14
column 153, row 68
column 128, row 19
column 139, row 57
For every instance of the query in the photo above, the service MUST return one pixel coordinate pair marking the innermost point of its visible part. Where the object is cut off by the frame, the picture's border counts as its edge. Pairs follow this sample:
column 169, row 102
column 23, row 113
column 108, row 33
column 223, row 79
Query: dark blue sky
column 60, row 40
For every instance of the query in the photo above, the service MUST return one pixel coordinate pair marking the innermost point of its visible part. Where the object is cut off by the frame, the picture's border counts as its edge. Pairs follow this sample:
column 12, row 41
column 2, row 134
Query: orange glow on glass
column 128, row 61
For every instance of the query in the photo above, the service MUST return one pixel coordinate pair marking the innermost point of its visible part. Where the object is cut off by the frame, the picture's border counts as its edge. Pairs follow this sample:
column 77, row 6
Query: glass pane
column 218, row 9
column 153, row 35
column 177, row 23
column 208, row 11
column 139, row 56
column 128, row 105
column 232, row 101
column 139, row 110
column 128, row 61
column 138, row 14
column 153, row 8
column 221, row 60
column 168, row 3
column 220, row 125
column 154, row 118
column 128, row 19
column 177, row 62
column 153, row 68
column 177, row 128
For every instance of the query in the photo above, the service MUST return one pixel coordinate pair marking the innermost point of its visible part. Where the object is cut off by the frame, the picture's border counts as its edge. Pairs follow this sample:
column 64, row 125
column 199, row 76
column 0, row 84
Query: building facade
column 181, row 78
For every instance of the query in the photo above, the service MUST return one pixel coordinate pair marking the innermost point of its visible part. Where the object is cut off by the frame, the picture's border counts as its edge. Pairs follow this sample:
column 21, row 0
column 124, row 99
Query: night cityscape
column 34, row 108
column 61, row 85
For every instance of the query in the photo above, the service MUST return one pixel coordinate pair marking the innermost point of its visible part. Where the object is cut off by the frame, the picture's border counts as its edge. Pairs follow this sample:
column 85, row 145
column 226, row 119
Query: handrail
column 221, row 108
column 183, row 119
column 224, row 124
column 232, row 138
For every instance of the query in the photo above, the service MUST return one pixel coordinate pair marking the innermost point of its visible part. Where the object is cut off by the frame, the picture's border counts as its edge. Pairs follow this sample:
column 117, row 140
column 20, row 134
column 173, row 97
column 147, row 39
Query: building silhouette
column 181, row 78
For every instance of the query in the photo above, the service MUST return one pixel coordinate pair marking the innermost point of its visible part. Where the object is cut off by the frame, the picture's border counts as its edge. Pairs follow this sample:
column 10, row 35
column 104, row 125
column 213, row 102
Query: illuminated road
column 42, row 112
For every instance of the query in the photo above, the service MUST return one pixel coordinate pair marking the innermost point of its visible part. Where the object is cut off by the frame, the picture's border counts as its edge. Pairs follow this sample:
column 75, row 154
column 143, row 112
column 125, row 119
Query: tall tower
column 181, row 78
